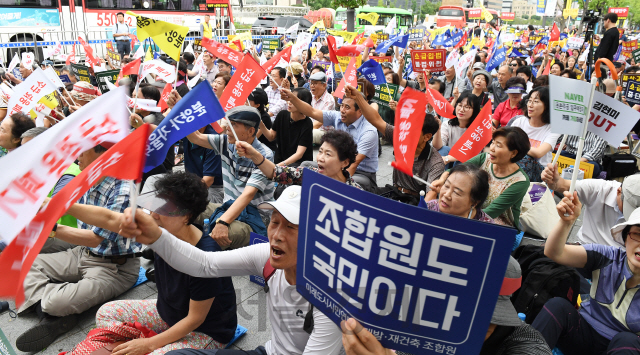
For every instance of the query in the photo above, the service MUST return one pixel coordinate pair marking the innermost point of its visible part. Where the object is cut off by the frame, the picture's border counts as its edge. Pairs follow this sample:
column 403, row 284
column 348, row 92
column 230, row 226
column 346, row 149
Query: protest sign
column 14, row 63
column 30, row 172
column 409, row 118
column 123, row 161
column 113, row 54
column 420, row 281
column 247, row 77
column 5, row 345
column 27, row 59
column 632, row 92
column 325, row 65
column 475, row 138
column 379, row 38
column 439, row 103
column 622, row 12
column 610, row 119
column 416, row 34
column 344, row 63
column 350, row 77
column 385, row 59
column 168, row 36
column 428, row 59
column 565, row 162
column 569, row 100
column 106, row 76
column 197, row 109
column 197, row 45
column 575, row 42
column 271, row 63
column 255, row 238
column 270, row 44
column 452, row 59
column 382, row 96
column 81, row 72
column 475, row 14
column 29, row 92
column 636, row 55
column 222, row 51
column 628, row 48
column 627, row 77
column 164, row 71
column 464, row 62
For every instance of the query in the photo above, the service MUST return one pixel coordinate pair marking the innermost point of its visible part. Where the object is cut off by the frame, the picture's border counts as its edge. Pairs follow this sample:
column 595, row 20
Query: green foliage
column 349, row 4
column 430, row 8
column 536, row 17
column 414, row 5
column 525, row 16
column 319, row 4
column 380, row 3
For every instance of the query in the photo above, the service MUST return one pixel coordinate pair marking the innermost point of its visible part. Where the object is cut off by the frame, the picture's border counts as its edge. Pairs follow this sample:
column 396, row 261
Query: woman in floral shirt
column 337, row 152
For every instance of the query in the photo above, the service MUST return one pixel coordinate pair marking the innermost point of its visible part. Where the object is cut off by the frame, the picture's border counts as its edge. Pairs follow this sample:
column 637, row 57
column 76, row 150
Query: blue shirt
column 612, row 308
column 121, row 28
column 202, row 161
column 112, row 194
column 365, row 135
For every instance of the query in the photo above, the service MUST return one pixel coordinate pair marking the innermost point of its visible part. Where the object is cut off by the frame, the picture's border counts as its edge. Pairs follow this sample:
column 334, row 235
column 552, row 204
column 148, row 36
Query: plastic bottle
column 206, row 226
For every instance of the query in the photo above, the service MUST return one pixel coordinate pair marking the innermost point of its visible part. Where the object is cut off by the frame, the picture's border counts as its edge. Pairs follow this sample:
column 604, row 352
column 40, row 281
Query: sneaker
column 42, row 335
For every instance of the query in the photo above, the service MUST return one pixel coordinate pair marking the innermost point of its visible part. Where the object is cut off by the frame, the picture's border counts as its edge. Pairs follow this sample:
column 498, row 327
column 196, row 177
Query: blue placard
column 632, row 92
column 257, row 239
column 65, row 79
column 422, row 282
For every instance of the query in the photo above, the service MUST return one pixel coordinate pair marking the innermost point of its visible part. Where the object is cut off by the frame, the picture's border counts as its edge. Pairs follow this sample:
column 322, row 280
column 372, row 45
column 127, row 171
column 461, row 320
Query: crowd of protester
column 247, row 180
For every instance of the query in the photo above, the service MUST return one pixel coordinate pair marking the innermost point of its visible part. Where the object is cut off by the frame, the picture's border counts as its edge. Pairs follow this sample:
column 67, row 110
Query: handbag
column 538, row 214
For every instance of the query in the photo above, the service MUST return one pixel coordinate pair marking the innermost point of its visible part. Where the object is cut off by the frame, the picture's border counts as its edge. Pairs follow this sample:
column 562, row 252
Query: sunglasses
column 513, row 65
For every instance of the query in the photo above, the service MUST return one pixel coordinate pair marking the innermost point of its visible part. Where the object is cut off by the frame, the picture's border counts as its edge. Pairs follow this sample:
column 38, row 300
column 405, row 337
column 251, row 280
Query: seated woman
column 467, row 108
column 507, row 182
column 512, row 107
column 463, row 193
column 11, row 129
column 607, row 323
column 337, row 152
column 190, row 312
column 219, row 83
column 536, row 124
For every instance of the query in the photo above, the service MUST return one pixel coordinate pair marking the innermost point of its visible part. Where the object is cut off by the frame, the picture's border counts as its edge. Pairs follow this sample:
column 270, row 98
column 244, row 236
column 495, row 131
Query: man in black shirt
column 293, row 132
column 611, row 39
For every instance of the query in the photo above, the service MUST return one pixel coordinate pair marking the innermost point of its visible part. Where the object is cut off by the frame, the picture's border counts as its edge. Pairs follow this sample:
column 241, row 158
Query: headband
column 83, row 90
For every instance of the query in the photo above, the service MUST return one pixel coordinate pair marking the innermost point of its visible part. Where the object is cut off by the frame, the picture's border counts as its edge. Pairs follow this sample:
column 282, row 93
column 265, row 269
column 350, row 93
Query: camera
column 591, row 18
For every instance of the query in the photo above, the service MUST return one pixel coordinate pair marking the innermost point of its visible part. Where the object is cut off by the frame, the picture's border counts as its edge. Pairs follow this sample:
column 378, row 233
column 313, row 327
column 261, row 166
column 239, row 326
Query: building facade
column 523, row 7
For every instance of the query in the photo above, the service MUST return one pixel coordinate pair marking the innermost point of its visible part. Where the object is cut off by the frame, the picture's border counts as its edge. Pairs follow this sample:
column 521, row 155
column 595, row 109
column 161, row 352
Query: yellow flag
column 486, row 14
column 349, row 37
column 149, row 55
column 372, row 17
column 49, row 100
column 167, row 36
column 245, row 36
column 319, row 25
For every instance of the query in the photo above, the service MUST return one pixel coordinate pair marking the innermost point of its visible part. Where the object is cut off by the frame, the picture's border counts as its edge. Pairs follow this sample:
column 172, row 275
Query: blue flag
column 563, row 36
column 402, row 41
column 617, row 55
column 534, row 71
column 440, row 39
column 372, row 71
column 197, row 109
column 259, row 47
column 497, row 57
column 422, row 202
column 516, row 53
column 315, row 36
column 384, row 46
column 156, row 55
column 453, row 40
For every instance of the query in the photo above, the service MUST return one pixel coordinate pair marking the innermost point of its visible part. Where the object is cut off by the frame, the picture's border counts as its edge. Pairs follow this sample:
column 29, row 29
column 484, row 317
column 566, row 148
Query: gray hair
column 33, row 132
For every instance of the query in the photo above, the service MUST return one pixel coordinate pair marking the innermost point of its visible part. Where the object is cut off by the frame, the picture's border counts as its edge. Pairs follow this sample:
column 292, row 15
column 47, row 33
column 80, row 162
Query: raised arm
column 199, row 139
column 369, row 113
column 270, row 134
column 266, row 166
column 304, row 107
column 556, row 248
column 96, row 216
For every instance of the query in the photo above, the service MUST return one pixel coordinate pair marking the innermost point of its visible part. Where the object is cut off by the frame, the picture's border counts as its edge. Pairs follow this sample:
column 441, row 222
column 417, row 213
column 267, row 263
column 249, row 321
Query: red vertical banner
column 409, row 119
column 331, row 41
column 439, row 103
column 89, row 58
column 350, row 77
column 163, row 97
column 246, row 78
column 554, row 34
column 476, row 137
column 124, row 160
column 222, row 51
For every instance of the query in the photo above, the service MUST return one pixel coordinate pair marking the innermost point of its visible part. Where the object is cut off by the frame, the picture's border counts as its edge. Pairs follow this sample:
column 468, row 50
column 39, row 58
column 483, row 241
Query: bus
column 27, row 26
column 451, row 16
column 404, row 19
column 478, row 12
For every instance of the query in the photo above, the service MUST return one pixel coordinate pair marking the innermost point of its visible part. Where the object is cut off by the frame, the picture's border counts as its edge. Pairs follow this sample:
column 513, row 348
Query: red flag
column 358, row 37
column 134, row 40
column 548, row 68
column 332, row 49
column 463, row 40
column 349, row 51
column 163, row 97
column 369, row 42
column 222, row 51
column 271, row 63
column 476, row 137
column 131, row 68
column 247, row 77
column 72, row 56
column 350, row 77
column 439, row 103
column 408, row 126
column 554, row 34
column 124, row 160
column 89, row 58
column 238, row 44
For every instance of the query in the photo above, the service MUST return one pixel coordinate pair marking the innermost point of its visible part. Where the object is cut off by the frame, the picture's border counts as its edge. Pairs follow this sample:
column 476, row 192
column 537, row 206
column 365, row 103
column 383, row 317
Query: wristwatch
column 220, row 221
column 446, row 159
column 53, row 231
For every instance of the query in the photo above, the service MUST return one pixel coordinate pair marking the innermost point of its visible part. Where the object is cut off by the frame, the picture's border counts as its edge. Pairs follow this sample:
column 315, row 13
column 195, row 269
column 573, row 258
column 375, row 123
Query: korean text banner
column 29, row 92
column 246, row 78
column 168, row 36
column 31, row 171
column 475, row 138
column 413, row 280
column 197, row 109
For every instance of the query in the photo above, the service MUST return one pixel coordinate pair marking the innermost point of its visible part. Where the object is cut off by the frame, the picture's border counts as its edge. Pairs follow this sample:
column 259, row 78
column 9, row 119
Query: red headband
column 83, row 90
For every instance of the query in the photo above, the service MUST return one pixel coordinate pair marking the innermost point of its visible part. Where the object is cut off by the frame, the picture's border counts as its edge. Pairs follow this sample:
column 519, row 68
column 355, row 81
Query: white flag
column 14, row 63
column 302, row 43
column 464, row 62
column 292, row 29
column 55, row 79
column 189, row 48
column 27, row 59
column 32, row 170
column 452, row 59
column 143, row 104
column 163, row 70
column 139, row 53
column 391, row 26
column 198, row 66
column 29, row 92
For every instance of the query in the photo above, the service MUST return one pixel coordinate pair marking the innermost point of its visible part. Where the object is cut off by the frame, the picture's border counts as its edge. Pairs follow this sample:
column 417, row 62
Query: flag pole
column 139, row 79
column 562, row 142
column 585, row 126
column 133, row 201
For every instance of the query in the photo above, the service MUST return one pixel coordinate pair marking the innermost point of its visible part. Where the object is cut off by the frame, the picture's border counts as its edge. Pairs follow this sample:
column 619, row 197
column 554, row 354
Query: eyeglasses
column 464, row 108
column 635, row 236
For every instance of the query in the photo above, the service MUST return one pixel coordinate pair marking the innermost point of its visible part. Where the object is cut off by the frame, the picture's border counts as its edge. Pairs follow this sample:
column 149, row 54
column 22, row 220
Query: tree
column 319, row 4
column 380, row 3
column 525, row 16
column 430, row 8
column 350, row 5
column 535, row 17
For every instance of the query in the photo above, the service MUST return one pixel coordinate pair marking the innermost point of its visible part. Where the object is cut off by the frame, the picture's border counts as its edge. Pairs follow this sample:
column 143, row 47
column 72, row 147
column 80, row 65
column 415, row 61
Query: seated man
column 101, row 267
column 605, row 203
column 292, row 131
column 593, row 152
column 289, row 335
column 350, row 120
column 428, row 164
column 245, row 187
column 322, row 99
column 206, row 164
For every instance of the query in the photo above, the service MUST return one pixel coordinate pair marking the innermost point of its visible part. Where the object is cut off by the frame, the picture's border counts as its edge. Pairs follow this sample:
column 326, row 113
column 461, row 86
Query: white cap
column 288, row 204
column 630, row 195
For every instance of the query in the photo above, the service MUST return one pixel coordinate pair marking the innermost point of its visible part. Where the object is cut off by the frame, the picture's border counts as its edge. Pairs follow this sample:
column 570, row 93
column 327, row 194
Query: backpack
column 267, row 273
column 542, row 280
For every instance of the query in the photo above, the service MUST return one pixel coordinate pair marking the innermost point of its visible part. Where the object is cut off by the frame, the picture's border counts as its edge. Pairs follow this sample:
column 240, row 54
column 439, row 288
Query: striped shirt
column 594, row 147
column 238, row 172
column 112, row 194
column 276, row 103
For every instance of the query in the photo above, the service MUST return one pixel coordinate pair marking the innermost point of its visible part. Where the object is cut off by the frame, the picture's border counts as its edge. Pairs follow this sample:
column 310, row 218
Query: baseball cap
column 296, row 68
column 616, row 231
column 288, row 204
column 630, row 195
column 504, row 313
column 84, row 91
column 319, row 76
column 478, row 65
column 244, row 114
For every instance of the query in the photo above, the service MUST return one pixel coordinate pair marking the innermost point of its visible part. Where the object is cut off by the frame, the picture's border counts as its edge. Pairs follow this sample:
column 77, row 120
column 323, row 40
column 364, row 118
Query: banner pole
column 71, row 97
column 135, row 101
column 134, row 205
column 562, row 142
column 585, row 126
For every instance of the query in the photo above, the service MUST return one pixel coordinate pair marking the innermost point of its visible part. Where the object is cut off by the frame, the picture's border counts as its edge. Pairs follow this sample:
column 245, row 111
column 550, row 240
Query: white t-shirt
column 286, row 307
column 537, row 136
column 450, row 134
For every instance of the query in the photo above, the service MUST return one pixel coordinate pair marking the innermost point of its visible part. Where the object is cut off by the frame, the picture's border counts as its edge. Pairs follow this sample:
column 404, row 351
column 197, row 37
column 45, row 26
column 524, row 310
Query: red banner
column 439, row 103
column 408, row 126
column 332, row 50
column 89, row 58
column 123, row 161
column 163, row 97
column 222, row 51
column 350, row 77
column 475, row 138
column 131, row 68
column 463, row 40
column 508, row 16
column 554, row 34
column 428, row 59
column 285, row 54
column 246, row 78
column 475, row 14
column 622, row 12
column 71, row 58
column 349, row 50
column 385, row 59
column 628, row 48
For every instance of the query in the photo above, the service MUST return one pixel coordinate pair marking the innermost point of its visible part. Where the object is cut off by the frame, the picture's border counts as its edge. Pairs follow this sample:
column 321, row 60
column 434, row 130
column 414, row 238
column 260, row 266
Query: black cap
column 259, row 96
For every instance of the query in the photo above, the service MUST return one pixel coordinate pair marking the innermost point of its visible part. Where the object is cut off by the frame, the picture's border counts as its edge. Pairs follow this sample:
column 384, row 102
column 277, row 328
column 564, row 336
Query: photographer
column 610, row 40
